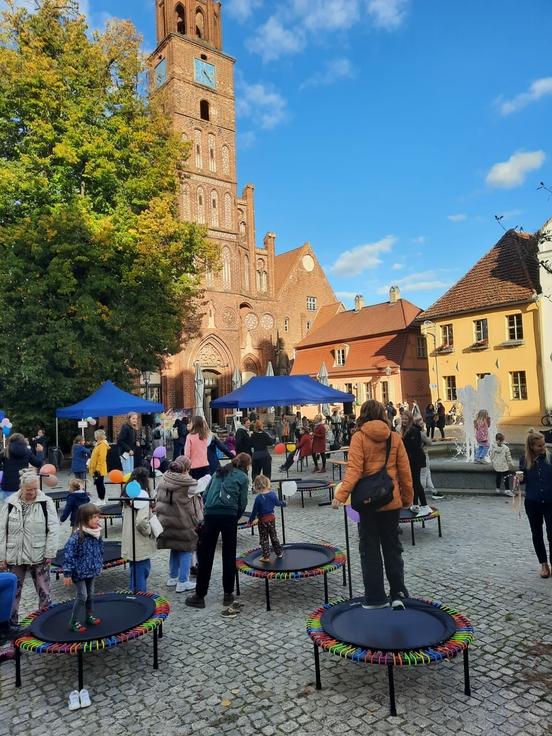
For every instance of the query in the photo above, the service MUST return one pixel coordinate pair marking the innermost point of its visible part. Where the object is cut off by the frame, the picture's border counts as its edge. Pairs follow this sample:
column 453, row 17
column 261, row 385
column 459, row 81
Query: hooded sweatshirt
column 367, row 456
column 20, row 457
column 179, row 510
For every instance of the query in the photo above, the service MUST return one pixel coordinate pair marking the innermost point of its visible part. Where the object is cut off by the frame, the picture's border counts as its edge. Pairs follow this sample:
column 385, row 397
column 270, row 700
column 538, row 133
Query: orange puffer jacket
column 367, row 455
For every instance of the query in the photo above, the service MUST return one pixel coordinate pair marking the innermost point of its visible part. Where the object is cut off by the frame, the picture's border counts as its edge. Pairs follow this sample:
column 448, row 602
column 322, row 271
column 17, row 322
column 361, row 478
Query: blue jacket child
column 76, row 498
column 80, row 456
column 83, row 556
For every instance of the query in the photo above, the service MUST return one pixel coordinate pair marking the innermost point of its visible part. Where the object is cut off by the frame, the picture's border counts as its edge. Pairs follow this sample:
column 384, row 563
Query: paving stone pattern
column 255, row 674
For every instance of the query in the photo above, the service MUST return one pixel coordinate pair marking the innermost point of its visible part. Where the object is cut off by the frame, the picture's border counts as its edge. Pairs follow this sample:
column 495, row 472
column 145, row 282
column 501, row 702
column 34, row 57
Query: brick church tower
column 241, row 323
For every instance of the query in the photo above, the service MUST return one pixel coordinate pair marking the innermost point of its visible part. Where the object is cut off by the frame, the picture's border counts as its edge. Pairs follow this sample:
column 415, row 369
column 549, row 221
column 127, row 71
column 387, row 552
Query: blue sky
column 388, row 133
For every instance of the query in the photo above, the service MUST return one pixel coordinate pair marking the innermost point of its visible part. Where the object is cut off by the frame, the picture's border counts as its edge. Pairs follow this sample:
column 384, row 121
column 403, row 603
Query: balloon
column 280, row 448
column 291, row 447
column 160, row 452
column 5, row 421
column 155, row 463
column 6, row 431
column 51, row 481
column 352, row 514
column 141, row 504
column 48, row 470
column 133, row 489
column 126, row 478
column 116, row 476
column 289, row 488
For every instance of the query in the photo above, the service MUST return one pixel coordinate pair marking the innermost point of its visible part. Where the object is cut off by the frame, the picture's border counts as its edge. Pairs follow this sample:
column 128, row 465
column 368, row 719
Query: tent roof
column 108, row 401
column 281, row 391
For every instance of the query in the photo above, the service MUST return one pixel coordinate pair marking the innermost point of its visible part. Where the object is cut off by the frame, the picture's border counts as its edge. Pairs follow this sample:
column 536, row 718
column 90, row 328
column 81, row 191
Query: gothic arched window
column 200, row 24
column 286, row 324
column 180, row 18
column 198, row 154
column 225, row 160
column 204, row 113
column 212, row 153
column 200, row 206
column 226, row 268
column 246, row 273
column 186, row 208
column 228, row 211
column 214, row 209
column 261, row 277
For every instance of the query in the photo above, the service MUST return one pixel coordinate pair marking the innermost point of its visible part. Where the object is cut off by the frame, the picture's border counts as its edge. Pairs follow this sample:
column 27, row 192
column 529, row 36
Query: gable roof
column 286, row 263
column 376, row 319
column 507, row 274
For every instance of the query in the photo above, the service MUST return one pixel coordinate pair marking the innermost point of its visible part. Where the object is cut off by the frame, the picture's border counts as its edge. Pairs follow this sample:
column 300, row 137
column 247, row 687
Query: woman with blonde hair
column 195, row 449
column 98, row 464
column 536, row 474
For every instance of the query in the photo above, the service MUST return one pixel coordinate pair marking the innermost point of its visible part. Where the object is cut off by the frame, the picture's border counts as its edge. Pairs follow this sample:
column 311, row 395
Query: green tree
column 98, row 275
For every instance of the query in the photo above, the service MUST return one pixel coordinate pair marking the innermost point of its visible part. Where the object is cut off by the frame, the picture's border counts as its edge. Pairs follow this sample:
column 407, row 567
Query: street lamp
column 146, row 379
column 430, row 328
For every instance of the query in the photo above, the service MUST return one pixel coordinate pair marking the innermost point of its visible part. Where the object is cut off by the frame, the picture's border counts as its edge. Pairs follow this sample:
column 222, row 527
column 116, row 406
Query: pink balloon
column 51, row 481
column 352, row 514
column 48, row 470
column 155, row 462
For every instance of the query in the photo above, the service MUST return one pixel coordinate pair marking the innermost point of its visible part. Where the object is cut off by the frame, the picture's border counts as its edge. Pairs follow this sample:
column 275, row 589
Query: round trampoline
column 57, row 497
column 300, row 560
column 111, row 511
column 243, row 523
column 311, row 485
column 111, row 558
column 124, row 616
column 424, row 633
column 408, row 517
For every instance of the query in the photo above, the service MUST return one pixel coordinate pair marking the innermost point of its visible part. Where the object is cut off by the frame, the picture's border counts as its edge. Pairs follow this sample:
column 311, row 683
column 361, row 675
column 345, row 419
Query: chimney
column 359, row 302
column 394, row 294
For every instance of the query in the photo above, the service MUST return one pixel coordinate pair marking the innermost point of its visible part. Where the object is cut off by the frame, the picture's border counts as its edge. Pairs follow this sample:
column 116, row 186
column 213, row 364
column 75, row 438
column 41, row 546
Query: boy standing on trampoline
column 83, row 563
column 263, row 510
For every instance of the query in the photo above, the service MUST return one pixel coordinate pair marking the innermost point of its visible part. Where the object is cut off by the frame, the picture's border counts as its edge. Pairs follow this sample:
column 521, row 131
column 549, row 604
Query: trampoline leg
column 326, row 587
column 439, row 526
column 160, row 630
column 17, row 667
column 238, row 584
column 80, row 669
column 302, row 500
column 423, row 524
column 155, row 652
column 392, row 704
column 105, row 527
column 412, row 532
column 345, row 576
column 267, row 594
column 317, row 668
column 467, row 688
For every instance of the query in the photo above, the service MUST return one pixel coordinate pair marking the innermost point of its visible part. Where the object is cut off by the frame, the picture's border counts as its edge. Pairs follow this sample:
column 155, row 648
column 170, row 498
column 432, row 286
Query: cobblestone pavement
column 254, row 674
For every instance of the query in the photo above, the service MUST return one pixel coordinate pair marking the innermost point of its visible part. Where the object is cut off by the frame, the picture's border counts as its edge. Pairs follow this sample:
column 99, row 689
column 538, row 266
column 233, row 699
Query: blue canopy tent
column 108, row 401
column 281, row 391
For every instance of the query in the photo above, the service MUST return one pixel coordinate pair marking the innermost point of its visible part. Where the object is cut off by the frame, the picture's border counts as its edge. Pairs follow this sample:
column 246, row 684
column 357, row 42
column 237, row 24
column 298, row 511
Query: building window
column 198, row 156
column 214, row 209
column 180, row 19
column 421, row 347
column 186, row 204
column 481, row 330
column 518, row 382
column 348, row 388
column 261, row 277
column 286, row 324
column 200, row 24
column 308, row 325
column 225, row 160
column 368, row 391
column 212, row 154
column 228, row 211
column 447, row 335
column 385, row 392
column 450, row 388
column 200, row 206
column 246, row 273
column 226, row 269
column 515, row 327
column 311, row 303
column 340, row 356
column 204, row 113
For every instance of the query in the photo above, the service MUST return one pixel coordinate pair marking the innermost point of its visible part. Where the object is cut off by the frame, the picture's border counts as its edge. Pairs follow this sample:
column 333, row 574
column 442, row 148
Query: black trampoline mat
column 57, row 495
column 408, row 515
column 112, row 552
column 117, row 612
column 300, row 556
column 418, row 627
column 112, row 509
column 311, row 484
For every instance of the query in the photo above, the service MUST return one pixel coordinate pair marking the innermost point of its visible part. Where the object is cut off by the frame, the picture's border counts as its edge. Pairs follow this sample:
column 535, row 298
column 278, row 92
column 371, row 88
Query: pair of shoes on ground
column 506, row 492
column 184, row 587
column 79, row 699
column 195, row 601
column 233, row 609
column 421, row 510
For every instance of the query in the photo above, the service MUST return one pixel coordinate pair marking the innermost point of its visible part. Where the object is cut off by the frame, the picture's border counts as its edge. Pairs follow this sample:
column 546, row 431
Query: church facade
column 260, row 305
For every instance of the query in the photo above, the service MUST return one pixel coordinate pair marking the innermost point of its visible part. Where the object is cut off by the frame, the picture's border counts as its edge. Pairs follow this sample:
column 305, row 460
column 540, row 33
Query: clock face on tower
column 205, row 73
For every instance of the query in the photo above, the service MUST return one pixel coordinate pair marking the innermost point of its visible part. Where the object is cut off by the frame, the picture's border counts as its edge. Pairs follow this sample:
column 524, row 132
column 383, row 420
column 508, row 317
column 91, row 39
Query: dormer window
column 340, row 355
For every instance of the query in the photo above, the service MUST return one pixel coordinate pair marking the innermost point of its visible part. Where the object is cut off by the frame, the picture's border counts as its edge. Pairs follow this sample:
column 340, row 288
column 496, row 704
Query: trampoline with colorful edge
column 408, row 517
column 310, row 486
column 424, row 633
column 124, row 616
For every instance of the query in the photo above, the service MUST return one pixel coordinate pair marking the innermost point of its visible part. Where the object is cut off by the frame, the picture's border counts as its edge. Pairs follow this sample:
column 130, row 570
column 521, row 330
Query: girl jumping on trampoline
column 263, row 515
column 83, row 563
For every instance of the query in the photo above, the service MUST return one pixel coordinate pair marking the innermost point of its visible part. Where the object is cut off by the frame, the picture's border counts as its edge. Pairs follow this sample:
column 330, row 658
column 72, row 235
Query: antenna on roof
column 498, row 218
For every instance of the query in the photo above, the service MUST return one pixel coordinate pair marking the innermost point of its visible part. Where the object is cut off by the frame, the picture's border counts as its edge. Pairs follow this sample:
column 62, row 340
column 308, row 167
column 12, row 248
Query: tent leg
column 57, row 432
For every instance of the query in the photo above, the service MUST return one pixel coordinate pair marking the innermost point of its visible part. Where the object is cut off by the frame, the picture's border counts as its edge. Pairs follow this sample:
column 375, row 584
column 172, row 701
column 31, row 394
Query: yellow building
column 488, row 323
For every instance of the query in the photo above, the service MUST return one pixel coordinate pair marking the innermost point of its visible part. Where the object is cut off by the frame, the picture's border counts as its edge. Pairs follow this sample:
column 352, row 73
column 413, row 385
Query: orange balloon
column 280, row 448
column 48, row 470
column 116, row 476
column 51, row 481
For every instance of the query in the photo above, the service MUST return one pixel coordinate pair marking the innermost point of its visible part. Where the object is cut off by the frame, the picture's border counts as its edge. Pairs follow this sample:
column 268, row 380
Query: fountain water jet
column 485, row 396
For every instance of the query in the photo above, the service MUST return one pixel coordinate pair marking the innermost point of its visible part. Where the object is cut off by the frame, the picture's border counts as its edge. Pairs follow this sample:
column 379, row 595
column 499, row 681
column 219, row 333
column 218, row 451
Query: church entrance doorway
column 211, row 393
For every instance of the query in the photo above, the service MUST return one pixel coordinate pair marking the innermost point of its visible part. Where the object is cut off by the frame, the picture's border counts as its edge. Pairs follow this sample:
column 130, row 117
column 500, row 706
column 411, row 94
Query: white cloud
column 537, row 89
column 397, row 266
column 388, row 14
column 272, row 40
column 336, row 69
column 263, row 105
column 359, row 259
column 241, row 10
column 419, row 240
column 457, row 218
column 421, row 281
column 247, row 140
column 324, row 15
column 513, row 172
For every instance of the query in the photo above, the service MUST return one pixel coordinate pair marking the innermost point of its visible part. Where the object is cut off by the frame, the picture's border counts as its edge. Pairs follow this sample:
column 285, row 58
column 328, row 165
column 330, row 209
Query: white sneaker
column 85, row 701
column 373, row 608
column 414, row 508
column 509, row 493
column 171, row 582
column 425, row 510
column 397, row 605
column 74, row 702
column 184, row 587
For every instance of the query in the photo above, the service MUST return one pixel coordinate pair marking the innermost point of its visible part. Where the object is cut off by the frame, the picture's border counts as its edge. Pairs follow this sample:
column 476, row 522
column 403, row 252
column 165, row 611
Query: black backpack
column 373, row 491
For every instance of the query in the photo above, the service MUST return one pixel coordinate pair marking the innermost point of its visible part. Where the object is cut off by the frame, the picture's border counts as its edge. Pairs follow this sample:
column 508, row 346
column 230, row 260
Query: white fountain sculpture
column 485, row 396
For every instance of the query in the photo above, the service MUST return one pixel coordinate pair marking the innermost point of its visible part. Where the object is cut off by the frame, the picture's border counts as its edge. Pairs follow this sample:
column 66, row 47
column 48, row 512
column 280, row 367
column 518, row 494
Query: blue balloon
column 6, row 431
column 133, row 489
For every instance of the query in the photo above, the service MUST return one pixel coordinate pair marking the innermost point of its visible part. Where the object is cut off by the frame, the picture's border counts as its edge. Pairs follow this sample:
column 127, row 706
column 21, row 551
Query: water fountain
column 485, row 396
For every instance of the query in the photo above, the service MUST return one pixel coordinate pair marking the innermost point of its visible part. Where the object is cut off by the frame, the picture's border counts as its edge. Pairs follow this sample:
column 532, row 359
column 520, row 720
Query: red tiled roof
column 284, row 263
column 326, row 313
column 365, row 355
column 507, row 274
column 377, row 319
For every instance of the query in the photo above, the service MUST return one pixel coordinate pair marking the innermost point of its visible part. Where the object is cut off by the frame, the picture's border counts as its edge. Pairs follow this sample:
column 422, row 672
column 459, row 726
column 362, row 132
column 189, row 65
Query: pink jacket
column 196, row 450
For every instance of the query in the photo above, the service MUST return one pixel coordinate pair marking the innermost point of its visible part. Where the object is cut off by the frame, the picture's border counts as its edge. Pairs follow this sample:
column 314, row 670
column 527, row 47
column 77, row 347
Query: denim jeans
column 83, row 601
column 379, row 532
column 179, row 565
column 127, row 464
column 8, row 588
column 139, row 574
column 481, row 452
